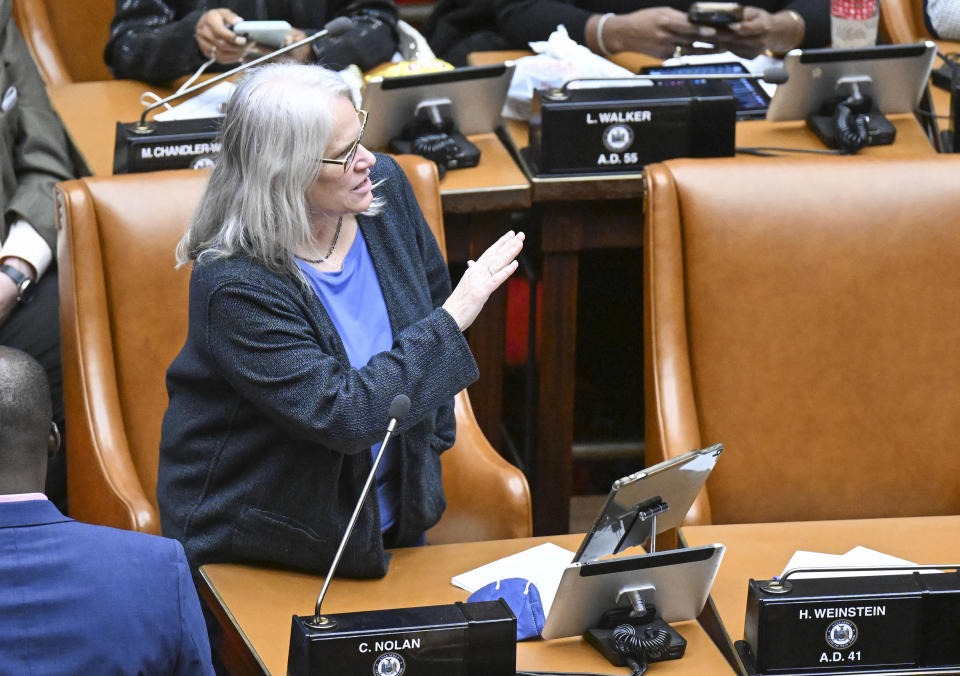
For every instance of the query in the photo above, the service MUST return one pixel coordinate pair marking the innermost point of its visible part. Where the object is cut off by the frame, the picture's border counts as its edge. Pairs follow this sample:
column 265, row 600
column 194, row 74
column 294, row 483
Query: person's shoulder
column 134, row 558
column 214, row 272
column 128, row 540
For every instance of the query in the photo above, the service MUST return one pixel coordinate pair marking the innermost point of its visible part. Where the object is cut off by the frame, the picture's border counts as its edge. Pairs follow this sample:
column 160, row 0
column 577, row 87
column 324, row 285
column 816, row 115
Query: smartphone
column 715, row 14
column 267, row 33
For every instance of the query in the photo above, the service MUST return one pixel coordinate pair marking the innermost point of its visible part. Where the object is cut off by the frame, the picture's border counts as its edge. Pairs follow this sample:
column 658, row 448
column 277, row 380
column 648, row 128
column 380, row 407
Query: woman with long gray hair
column 318, row 293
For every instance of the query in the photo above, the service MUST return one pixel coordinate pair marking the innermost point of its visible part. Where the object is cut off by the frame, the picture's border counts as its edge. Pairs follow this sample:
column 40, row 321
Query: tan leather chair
column 902, row 20
column 806, row 313
column 124, row 317
column 66, row 37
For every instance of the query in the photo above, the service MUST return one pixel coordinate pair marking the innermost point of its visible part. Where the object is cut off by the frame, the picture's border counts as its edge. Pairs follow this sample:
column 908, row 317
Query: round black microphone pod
column 776, row 75
column 339, row 25
column 399, row 407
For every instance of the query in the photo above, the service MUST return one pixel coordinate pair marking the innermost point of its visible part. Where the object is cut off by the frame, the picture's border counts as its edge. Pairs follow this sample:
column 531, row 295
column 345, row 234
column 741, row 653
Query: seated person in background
column 943, row 18
column 76, row 598
column 34, row 157
column 659, row 27
column 457, row 27
column 318, row 294
column 161, row 40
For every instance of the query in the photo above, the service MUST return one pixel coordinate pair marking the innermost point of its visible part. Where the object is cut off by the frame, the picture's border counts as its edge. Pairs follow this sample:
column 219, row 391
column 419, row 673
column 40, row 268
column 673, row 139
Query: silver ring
column 490, row 270
column 678, row 51
column 213, row 52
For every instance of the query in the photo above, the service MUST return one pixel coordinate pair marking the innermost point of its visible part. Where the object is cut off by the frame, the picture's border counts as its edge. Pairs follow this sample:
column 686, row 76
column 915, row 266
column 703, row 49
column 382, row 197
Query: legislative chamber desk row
column 254, row 605
column 476, row 203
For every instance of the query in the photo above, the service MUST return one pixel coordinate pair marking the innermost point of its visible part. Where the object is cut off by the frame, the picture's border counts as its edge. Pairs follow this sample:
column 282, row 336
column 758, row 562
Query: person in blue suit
column 77, row 598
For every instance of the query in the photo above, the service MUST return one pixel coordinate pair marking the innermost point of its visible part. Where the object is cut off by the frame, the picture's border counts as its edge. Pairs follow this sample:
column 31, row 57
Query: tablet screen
column 752, row 100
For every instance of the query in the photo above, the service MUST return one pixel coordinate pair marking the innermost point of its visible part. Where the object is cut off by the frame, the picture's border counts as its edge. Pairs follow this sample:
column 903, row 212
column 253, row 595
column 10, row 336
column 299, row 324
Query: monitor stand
column 637, row 632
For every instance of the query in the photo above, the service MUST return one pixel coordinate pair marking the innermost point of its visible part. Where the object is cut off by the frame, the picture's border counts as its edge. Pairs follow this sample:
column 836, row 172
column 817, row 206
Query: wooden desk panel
column 256, row 604
column 90, row 112
column 760, row 551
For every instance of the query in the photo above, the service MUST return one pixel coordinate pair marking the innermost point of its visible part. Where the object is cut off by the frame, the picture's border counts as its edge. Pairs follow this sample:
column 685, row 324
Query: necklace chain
column 333, row 245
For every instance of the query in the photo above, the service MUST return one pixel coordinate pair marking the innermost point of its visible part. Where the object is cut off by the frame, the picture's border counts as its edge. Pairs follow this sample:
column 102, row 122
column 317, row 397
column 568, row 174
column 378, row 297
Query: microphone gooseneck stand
column 335, row 27
column 399, row 408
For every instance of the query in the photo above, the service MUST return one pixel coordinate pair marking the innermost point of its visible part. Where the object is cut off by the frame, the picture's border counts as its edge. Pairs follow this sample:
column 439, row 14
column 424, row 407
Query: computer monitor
column 897, row 76
column 473, row 97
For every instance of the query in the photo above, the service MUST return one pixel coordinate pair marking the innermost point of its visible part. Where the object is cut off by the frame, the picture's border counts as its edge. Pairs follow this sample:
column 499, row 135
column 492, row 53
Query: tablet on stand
column 639, row 507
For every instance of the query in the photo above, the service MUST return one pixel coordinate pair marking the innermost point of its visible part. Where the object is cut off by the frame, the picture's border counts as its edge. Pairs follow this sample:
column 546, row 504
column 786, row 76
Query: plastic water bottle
column 853, row 23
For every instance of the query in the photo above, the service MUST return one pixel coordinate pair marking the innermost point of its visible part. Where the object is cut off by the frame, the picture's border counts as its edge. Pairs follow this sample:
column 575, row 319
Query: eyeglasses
column 347, row 161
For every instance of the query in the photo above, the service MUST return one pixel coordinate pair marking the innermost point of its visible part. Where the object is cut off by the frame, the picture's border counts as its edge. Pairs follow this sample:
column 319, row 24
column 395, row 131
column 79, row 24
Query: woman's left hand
column 760, row 30
column 483, row 277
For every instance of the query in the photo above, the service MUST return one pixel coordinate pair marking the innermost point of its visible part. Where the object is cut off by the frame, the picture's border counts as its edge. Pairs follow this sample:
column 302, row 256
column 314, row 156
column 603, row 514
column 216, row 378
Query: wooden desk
column 254, row 607
column 601, row 212
column 476, row 202
column 90, row 112
column 760, row 551
column 596, row 212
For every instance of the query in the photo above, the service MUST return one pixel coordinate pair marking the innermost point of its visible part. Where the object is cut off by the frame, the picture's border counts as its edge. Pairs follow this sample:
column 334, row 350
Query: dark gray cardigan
column 265, row 444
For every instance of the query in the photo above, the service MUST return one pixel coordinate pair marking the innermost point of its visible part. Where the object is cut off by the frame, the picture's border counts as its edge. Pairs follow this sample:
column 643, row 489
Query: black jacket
column 153, row 40
column 265, row 444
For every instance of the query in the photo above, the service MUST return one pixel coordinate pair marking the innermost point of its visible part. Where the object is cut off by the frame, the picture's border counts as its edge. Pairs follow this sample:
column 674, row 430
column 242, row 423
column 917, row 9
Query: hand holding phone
column 715, row 14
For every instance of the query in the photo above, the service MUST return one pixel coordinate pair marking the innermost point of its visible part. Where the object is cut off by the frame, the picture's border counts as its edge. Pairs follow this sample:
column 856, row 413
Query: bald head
column 25, row 422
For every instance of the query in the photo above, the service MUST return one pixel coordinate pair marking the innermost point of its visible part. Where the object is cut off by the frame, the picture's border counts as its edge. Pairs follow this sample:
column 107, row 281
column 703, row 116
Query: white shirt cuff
column 26, row 243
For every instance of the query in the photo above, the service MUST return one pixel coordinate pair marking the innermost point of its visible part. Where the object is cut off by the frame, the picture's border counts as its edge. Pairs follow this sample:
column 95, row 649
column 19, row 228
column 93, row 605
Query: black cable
column 951, row 58
column 636, row 646
column 771, row 151
column 851, row 131
column 930, row 114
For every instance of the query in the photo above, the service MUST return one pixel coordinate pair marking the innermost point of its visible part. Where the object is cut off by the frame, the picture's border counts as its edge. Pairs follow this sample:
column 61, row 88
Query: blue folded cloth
column 523, row 597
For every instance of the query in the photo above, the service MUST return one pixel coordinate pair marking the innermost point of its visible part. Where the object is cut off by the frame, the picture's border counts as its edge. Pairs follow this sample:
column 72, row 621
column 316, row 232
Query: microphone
column 333, row 28
column 476, row 638
column 773, row 75
column 399, row 408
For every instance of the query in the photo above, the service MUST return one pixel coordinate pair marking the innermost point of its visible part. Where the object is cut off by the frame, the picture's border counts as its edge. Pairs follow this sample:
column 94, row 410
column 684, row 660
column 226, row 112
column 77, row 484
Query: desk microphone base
column 876, row 624
column 880, row 131
column 461, row 639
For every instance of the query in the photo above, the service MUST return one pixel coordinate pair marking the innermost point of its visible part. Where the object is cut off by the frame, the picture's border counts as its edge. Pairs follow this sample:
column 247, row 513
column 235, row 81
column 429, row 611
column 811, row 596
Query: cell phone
column 715, row 14
column 267, row 33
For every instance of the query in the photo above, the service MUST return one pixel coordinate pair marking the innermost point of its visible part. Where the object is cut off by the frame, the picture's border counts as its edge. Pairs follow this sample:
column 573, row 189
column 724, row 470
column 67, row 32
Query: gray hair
column 277, row 125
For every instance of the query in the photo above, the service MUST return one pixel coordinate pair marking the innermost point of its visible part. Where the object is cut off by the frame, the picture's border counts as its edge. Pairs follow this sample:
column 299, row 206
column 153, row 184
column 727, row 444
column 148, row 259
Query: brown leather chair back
column 66, row 37
column 124, row 318
column 805, row 314
column 903, row 21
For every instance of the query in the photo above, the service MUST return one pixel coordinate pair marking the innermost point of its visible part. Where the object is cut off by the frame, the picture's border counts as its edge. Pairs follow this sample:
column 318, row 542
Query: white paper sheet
column 543, row 565
column 858, row 556
column 207, row 103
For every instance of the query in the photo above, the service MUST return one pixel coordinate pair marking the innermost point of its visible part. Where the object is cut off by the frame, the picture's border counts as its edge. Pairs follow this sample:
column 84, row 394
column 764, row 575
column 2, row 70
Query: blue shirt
column 354, row 301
